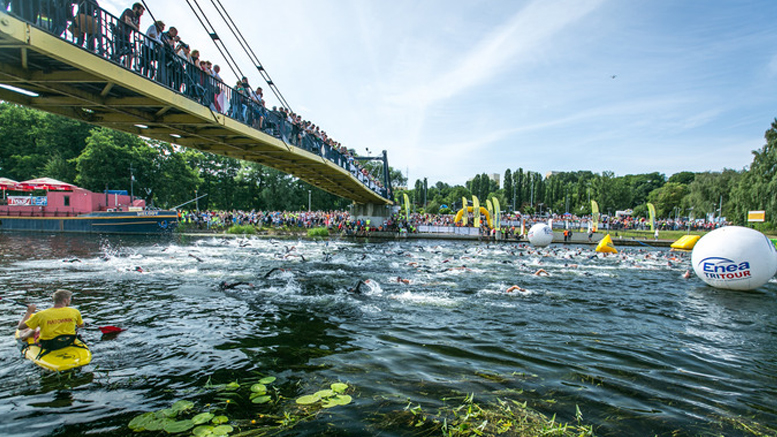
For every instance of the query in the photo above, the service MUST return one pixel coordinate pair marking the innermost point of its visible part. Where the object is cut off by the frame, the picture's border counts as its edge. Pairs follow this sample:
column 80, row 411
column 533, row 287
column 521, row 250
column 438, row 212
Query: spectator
column 129, row 22
column 151, row 47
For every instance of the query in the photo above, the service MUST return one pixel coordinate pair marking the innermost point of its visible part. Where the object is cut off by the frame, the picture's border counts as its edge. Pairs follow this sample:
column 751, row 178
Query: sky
column 454, row 88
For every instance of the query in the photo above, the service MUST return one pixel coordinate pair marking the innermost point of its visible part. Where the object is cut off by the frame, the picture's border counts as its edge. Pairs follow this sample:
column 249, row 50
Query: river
column 625, row 339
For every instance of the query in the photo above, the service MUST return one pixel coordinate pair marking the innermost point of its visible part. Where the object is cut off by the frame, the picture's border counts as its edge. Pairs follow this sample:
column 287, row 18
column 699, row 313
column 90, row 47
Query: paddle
column 104, row 329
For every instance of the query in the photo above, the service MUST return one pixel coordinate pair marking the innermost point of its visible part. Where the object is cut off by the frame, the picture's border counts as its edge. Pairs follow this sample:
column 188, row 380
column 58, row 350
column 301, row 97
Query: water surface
column 638, row 349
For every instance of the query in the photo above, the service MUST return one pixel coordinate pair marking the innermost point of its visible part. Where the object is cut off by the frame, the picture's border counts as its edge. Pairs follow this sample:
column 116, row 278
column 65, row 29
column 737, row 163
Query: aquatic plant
column 318, row 232
column 242, row 230
column 502, row 417
column 332, row 397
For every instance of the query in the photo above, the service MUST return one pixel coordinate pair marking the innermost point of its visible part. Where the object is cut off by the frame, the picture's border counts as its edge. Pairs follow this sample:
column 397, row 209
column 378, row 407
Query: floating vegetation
column 332, row 397
column 172, row 420
column 503, row 417
column 182, row 417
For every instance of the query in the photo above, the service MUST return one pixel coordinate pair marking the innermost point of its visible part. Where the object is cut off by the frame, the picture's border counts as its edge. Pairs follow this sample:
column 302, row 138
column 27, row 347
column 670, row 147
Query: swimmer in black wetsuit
column 224, row 285
column 356, row 289
column 273, row 270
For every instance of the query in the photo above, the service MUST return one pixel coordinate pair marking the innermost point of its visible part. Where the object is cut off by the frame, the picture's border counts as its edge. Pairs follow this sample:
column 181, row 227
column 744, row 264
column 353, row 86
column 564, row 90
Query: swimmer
column 73, row 260
column 224, row 285
column 357, row 288
column 402, row 280
column 541, row 272
column 274, row 269
column 139, row 269
column 199, row 260
column 515, row 288
column 687, row 274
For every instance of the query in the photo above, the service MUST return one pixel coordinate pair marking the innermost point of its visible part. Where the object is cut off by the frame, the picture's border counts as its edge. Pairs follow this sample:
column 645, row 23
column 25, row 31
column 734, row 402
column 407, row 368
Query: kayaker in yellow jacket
column 59, row 320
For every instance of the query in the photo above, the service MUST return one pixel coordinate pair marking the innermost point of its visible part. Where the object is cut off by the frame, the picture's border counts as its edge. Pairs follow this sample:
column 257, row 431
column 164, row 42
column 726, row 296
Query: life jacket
column 58, row 342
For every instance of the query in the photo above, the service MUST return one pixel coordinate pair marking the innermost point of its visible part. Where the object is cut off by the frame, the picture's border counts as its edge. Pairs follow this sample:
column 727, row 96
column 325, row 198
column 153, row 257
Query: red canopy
column 45, row 184
column 8, row 184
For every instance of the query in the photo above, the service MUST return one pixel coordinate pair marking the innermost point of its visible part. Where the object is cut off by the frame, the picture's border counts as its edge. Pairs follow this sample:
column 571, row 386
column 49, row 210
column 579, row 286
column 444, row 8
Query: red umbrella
column 45, row 184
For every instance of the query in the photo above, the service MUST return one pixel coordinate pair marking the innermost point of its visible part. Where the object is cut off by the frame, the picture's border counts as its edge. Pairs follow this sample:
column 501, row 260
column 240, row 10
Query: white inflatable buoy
column 540, row 235
column 734, row 258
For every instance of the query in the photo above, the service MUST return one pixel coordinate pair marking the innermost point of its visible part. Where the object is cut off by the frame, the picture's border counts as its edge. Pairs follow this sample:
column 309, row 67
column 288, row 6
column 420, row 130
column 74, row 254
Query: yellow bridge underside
column 74, row 83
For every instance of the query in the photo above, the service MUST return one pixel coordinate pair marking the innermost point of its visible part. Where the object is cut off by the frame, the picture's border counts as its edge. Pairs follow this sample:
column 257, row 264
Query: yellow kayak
column 69, row 357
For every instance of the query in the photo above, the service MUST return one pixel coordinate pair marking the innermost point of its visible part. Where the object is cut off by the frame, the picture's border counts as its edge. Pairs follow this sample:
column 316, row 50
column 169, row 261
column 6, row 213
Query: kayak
column 70, row 357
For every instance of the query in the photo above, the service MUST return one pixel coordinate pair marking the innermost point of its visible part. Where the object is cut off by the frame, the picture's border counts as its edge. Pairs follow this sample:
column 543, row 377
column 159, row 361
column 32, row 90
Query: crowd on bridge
column 161, row 55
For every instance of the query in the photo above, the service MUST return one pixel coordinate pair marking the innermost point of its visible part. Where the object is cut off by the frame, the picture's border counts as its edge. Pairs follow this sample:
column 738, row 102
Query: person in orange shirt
column 57, row 321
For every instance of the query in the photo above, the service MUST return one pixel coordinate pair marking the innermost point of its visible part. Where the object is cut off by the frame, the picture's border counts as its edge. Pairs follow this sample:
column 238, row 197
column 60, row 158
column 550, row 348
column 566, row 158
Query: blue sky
column 456, row 88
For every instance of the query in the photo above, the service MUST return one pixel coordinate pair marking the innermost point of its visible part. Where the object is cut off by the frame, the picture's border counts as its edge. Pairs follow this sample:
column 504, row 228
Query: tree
column 683, row 177
column 667, row 198
column 709, row 189
column 757, row 186
column 508, row 189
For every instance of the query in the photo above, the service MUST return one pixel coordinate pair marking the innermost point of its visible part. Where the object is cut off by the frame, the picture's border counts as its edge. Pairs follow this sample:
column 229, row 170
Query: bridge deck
column 75, row 83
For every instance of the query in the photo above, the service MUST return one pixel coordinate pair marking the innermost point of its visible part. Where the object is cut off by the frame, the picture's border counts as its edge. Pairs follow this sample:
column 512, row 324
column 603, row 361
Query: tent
column 45, row 184
column 7, row 184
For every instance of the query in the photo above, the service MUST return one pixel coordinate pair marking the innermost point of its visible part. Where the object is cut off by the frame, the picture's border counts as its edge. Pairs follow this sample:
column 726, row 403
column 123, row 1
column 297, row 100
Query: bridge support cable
column 206, row 24
column 73, row 66
column 251, row 55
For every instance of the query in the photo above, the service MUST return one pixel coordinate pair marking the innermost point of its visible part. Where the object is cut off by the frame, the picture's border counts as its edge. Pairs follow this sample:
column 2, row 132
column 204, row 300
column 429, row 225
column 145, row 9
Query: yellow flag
column 407, row 206
column 594, row 215
column 465, row 215
column 652, row 210
column 476, row 211
column 497, row 214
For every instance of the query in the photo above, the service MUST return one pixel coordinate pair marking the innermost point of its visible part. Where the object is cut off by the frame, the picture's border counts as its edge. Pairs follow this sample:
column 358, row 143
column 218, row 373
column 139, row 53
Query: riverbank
column 576, row 238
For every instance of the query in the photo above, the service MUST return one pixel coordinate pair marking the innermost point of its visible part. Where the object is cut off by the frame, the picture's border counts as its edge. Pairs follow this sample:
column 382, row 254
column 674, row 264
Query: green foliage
column 329, row 398
column 667, row 198
column 242, row 230
column 318, row 232
column 757, row 186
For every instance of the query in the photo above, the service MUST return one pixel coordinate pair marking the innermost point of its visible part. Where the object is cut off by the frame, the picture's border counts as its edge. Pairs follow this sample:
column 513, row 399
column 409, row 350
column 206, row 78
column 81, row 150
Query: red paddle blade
column 110, row 329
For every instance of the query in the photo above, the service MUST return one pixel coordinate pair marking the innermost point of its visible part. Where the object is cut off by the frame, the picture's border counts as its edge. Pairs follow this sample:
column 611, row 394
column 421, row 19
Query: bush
column 318, row 232
column 241, row 229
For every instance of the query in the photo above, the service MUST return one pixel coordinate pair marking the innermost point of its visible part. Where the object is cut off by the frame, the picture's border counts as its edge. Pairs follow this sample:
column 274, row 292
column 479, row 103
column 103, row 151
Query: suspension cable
column 252, row 56
column 231, row 63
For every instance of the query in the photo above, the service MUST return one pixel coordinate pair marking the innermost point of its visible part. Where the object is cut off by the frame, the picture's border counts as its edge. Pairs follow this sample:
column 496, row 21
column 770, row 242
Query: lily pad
column 181, row 406
column 232, row 386
column 166, row 413
column 336, row 401
column 202, row 418
column 323, row 394
column 267, row 380
column 179, row 426
column 220, row 419
column 139, row 422
column 339, row 387
column 259, row 388
column 263, row 399
column 308, row 399
column 203, row 431
column 222, row 430
column 157, row 424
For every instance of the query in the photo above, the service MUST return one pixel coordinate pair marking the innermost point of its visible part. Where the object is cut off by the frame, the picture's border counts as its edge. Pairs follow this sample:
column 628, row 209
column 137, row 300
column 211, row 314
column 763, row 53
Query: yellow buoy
column 606, row 245
column 686, row 242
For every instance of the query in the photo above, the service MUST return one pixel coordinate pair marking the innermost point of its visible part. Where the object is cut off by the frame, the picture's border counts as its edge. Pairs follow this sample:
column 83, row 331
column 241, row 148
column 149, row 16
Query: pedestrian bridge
column 85, row 74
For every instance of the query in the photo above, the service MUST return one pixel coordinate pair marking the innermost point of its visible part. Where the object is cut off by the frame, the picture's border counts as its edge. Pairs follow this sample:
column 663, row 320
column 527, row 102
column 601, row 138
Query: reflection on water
column 640, row 350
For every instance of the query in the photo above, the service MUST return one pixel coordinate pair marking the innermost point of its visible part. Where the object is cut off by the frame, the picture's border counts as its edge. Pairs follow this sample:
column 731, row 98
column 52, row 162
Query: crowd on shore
column 512, row 226
column 160, row 54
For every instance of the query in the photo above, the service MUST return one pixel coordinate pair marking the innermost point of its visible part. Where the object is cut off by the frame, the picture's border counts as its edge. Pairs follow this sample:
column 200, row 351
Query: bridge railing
column 86, row 25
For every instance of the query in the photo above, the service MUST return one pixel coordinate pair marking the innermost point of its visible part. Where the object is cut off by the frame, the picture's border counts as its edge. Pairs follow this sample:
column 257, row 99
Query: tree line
column 727, row 193
column 38, row 144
